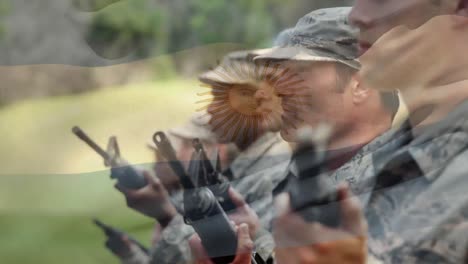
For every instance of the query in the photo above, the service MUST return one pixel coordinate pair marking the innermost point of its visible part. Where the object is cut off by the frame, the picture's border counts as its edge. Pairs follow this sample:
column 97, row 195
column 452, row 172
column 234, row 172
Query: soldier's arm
column 173, row 247
column 135, row 256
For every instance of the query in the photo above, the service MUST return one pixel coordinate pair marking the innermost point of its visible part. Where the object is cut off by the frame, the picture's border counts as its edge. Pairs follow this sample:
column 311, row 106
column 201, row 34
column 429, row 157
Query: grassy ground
column 51, row 184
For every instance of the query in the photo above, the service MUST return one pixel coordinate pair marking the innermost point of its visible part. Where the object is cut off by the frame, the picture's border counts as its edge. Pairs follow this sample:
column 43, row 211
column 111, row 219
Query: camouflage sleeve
column 260, row 199
column 373, row 260
column 136, row 256
column 173, row 247
column 449, row 247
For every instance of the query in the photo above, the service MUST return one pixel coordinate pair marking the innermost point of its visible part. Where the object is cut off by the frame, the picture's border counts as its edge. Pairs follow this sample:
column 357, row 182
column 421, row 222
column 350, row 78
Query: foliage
column 231, row 21
column 128, row 26
column 4, row 8
column 46, row 201
column 180, row 24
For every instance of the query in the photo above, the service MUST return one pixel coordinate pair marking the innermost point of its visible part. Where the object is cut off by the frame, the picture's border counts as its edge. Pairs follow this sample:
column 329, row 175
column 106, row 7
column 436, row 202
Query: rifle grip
column 128, row 177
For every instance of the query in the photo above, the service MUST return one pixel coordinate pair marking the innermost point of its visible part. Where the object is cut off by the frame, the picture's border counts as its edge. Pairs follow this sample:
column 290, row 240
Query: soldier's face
column 269, row 106
column 245, row 111
column 317, row 100
column 376, row 17
column 242, row 100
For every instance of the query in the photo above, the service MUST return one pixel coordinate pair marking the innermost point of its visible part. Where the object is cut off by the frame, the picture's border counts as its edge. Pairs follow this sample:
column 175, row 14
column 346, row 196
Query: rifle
column 126, row 175
column 116, row 236
column 312, row 193
column 201, row 209
column 210, row 177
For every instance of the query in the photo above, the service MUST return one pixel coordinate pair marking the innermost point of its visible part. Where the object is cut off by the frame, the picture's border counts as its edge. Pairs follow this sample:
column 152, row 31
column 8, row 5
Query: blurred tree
column 241, row 21
column 174, row 25
column 4, row 7
column 128, row 27
column 92, row 5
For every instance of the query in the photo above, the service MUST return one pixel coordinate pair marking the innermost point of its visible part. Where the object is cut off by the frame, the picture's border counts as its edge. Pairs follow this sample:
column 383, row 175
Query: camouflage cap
column 321, row 35
column 236, row 68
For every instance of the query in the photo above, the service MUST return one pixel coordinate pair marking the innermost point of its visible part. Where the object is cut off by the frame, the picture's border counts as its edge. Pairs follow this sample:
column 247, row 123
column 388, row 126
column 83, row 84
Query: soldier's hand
column 300, row 242
column 245, row 247
column 417, row 61
column 119, row 245
column 243, row 213
column 152, row 200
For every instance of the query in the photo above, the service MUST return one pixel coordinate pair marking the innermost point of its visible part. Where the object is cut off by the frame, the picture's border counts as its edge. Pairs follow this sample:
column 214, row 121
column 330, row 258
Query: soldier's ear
column 359, row 92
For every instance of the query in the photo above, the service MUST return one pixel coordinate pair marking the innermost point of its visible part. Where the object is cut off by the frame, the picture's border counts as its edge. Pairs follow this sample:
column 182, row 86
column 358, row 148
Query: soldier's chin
column 288, row 134
column 271, row 124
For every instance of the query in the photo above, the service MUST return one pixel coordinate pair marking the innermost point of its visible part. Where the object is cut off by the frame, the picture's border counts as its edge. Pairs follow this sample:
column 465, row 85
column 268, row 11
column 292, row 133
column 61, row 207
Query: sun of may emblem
column 246, row 99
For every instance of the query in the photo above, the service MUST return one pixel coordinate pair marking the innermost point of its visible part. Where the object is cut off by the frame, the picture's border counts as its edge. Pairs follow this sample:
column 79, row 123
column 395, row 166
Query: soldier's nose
column 262, row 94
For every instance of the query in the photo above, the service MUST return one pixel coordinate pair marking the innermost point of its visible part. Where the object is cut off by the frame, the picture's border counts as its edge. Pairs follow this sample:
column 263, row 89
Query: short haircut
column 391, row 101
column 344, row 74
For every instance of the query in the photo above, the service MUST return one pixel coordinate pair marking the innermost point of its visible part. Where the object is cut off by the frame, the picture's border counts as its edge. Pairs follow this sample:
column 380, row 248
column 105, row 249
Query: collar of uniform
column 246, row 159
column 292, row 168
column 390, row 139
column 391, row 143
column 440, row 142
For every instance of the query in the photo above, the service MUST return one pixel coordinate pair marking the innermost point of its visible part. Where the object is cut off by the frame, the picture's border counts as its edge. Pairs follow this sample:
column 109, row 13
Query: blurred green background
column 52, row 184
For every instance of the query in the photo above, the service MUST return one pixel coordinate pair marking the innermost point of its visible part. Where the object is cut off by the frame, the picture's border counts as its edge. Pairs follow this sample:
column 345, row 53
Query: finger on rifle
column 245, row 245
column 121, row 189
column 352, row 215
column 153, row 181
column 198, row 250
column 129, row 193
column 126, row 241
column 236, row 198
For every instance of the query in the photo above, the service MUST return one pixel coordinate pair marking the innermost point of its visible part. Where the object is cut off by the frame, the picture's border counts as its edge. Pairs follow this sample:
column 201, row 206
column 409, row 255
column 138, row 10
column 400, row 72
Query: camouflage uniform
column 418, row 209
column 325, row 35
column 254, row 175
column 359, row 171
column 414, row 191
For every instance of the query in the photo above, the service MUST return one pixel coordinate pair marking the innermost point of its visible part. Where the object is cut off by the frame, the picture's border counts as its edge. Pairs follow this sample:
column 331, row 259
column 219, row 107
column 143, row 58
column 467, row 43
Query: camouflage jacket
column 418, row 208
column 356, row 171
column 254, row 175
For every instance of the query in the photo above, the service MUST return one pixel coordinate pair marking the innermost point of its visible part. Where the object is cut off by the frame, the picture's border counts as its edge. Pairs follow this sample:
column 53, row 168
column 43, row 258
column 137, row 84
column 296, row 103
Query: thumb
column 127, row 242
column 154, row 182
column 245, row 245
column 236, row 198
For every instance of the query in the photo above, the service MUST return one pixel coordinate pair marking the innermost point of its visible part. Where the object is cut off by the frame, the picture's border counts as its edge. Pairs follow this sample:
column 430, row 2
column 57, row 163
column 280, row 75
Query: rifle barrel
column 83, row 136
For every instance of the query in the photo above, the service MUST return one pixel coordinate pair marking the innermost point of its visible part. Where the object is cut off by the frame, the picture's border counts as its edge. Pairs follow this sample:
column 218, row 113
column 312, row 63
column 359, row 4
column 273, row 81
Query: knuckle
column 248, row 245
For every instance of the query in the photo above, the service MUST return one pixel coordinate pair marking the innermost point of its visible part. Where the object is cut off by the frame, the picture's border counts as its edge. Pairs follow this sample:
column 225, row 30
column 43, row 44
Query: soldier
column 425, row 177
column 322, row 49
column 181, row 138
column 416, row 211
column 245, row 98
